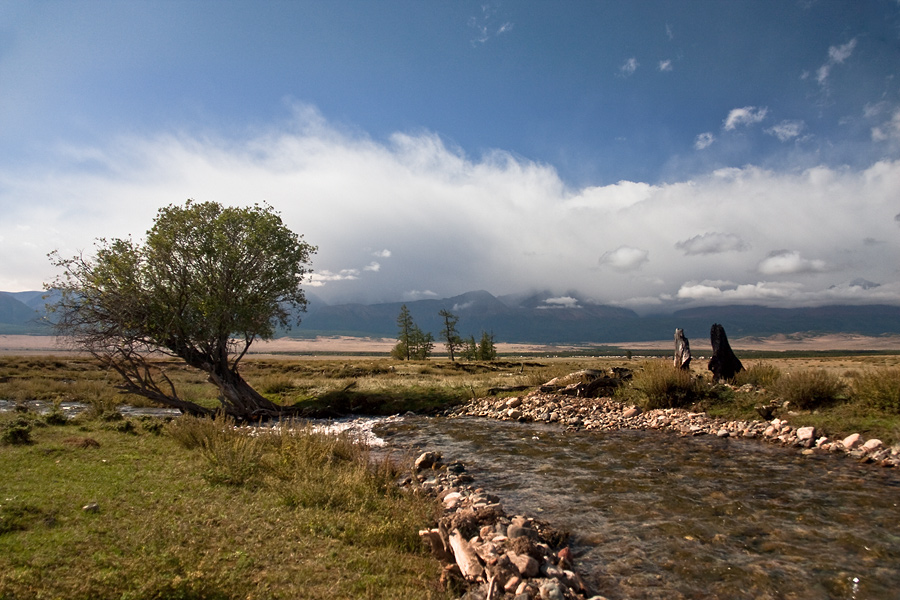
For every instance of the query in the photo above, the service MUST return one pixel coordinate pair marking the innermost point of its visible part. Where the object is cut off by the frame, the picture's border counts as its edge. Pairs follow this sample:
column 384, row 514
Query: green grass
column 166, row 529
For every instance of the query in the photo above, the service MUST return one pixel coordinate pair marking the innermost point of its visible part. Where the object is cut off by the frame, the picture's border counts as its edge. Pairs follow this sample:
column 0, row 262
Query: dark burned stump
column 723, row 364
column 682, row 351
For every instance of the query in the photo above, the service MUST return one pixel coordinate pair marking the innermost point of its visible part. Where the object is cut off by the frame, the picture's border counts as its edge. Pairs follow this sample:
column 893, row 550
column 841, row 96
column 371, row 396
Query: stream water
column 655, row 515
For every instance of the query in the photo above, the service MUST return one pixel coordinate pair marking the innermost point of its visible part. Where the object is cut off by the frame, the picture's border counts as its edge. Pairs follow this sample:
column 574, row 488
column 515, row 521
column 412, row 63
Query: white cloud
column 747, row 115
column 836, row 56
column 561, row 302
column 372, row 266
column 514, row 225
column 889, row 130
column 712, row 243
column 625, row 258
column 419, row 295
column 704, row 140
column 786, row 130
column 789, row 262
column 629, row 66
column 665, row 65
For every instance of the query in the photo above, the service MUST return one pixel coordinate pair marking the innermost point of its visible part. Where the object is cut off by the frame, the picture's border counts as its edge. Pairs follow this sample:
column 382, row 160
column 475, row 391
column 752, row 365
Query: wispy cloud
column 712, row 243
column 560, row 302
column 747, row 115
column 629, row 66
column 836, row 56
column 889, row 130
column 786, row 130
column 486, row 26
column 704, row 140
column 665, row 65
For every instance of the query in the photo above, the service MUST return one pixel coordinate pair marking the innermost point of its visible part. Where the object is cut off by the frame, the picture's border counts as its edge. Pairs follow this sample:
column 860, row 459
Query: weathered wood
column 682, row 351
column 466, row 558
column 723, row 364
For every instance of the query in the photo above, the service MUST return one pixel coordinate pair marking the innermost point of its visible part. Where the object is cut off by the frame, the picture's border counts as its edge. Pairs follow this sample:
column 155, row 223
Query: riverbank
column 605, row 414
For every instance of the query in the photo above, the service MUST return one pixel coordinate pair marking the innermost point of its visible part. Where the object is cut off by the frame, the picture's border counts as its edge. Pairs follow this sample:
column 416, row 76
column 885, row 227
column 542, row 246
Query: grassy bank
column 97, row 509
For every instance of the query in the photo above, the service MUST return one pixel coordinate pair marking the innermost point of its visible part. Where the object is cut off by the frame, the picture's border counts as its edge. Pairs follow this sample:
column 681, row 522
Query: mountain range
column 537, row 318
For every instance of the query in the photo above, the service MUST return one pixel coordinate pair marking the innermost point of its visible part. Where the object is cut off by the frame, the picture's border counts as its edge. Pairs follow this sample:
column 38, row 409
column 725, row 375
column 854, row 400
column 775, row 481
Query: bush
column 811, row 389
column 16, row 432
column 758, row 375
column 233, row 457
column 663, row 386
column 878, row 389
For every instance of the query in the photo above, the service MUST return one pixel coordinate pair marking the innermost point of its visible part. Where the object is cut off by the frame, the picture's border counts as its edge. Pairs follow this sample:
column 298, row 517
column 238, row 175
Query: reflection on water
column 655, row 515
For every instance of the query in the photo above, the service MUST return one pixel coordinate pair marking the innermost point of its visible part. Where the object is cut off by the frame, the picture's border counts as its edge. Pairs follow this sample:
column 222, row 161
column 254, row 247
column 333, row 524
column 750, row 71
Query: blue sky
column 649, row 154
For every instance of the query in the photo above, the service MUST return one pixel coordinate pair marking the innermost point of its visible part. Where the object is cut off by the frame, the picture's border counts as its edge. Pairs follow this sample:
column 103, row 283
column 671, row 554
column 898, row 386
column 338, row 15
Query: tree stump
column 682, row 351
column 723, row 364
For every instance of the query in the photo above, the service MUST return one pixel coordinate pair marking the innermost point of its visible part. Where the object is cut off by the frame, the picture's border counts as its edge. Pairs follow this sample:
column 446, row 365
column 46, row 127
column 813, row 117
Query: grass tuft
column 878, row 389
column 660, row 385
column 810, row 389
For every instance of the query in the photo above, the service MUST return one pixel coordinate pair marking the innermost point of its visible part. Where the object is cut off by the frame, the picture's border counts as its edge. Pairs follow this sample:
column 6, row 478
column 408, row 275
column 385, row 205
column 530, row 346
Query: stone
column 427, row 460
column 806, row 433
column 722, row 433
column 631, row 412
column 527, row 566
column 514, row 414
column 91, row 507
column 552, row 590
column 872, row 445
column 850, row 441
column 516, row 531
column 514, row 403
column 723, row 364
column 512, row 583
column 452, row 500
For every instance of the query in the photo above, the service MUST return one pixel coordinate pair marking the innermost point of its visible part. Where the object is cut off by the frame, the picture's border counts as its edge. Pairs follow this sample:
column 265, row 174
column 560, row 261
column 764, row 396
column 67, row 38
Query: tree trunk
column 682, row 351
column 240, row 400
column 723, row 364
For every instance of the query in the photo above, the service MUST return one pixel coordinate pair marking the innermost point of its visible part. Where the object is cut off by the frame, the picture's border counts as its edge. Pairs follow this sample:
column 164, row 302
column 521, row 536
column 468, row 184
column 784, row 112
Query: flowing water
column 655, row 515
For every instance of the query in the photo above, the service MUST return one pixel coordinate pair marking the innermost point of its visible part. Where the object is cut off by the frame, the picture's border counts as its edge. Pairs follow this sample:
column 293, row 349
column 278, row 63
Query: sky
column 654, row 155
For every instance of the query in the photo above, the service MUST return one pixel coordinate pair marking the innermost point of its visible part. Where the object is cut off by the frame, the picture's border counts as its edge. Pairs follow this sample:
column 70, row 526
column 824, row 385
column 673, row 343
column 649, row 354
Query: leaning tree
column 206, row 283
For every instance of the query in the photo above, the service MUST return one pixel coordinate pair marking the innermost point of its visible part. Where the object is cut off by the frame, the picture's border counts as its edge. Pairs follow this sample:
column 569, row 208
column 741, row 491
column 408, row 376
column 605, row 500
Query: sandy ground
column 33, row 344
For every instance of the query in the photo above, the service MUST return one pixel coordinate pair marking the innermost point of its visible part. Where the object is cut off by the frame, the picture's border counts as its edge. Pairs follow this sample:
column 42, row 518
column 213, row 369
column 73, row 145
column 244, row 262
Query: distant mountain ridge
column 538, row 318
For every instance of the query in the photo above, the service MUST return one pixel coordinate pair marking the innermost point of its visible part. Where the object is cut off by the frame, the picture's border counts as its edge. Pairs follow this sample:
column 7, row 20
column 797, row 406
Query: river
column 655, row 515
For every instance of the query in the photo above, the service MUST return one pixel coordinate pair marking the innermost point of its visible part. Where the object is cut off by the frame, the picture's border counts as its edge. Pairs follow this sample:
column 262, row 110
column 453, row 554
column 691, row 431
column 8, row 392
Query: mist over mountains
column 536, row 318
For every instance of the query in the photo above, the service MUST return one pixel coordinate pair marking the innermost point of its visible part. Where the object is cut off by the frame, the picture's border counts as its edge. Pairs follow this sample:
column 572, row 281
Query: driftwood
column 682, row 351
column 723, row 364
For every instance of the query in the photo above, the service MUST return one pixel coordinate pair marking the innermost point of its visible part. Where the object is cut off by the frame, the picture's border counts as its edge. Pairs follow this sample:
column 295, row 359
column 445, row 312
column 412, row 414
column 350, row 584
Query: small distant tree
column 469, row 349
column 486, row 348
column 422, row 344
column 406, row 326
column 451, row 338
column 412, row 342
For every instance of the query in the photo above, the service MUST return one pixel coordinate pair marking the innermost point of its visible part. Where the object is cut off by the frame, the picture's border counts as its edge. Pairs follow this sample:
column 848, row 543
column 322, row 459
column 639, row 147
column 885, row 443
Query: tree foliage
column 451, row 338
column 206, row 283
column 412, row 342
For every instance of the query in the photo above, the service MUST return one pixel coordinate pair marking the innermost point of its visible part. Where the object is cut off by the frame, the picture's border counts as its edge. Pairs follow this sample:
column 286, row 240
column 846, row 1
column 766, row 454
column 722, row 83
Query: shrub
column 16, row 432
column 759, row 375
column 811, row 389
column 663, row 386
column 878, row 389
column 233, row 457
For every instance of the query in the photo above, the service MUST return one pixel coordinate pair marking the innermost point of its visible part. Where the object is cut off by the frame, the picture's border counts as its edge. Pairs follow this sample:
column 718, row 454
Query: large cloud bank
column 411, row 217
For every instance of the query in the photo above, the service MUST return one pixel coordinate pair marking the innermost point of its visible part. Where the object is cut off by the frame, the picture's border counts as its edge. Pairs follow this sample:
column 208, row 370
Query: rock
column 806, row 433
column 91, row 507
column 427, row 460
column 631, row 412
column 512, row 583
column 552, row 590
column 722, row 433
column 850, row 441
column 527, row 566
column 516, row 531
column 872, row 445
column 514, row 403
column 514, row 414
column 452, row 500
